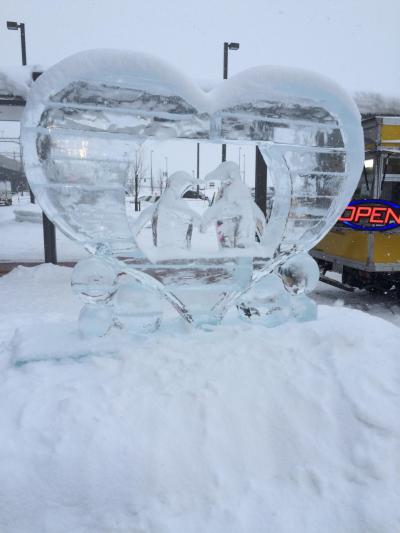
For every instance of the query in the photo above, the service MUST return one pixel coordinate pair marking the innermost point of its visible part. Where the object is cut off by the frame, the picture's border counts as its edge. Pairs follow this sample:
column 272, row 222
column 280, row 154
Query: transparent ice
column 95, row 319
column 94, row 279
column 86, row 116
column 172, row 221
column 136, row 308
column 300, row 274
column 266, row 303
column 237, row 218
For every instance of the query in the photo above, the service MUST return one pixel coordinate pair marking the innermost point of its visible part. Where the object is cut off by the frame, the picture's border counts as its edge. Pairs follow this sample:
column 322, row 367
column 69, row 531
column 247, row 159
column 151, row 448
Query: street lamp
column 11, row 25
column 49, row 231
column 227, row 46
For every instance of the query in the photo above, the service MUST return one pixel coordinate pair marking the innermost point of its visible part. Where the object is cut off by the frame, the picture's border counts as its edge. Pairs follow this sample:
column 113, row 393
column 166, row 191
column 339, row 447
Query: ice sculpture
column 282, row 296
column 237, row 218
column 172, row 221
column 86, row 116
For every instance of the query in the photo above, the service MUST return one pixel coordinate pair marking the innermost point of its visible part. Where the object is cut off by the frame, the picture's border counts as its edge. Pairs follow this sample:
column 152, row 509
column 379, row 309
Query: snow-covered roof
column 16, row 81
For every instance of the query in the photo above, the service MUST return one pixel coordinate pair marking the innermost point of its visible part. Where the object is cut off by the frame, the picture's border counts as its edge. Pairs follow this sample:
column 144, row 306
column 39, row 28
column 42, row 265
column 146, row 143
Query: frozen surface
column 86, row 116
column 291, row 430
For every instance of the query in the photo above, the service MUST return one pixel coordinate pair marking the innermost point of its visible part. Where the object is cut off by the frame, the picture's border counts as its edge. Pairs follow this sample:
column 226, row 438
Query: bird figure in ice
column 238, row 220
column 172, row 220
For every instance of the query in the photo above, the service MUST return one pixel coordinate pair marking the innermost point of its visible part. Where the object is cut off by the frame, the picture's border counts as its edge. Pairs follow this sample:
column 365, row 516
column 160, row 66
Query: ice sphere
column 95, row 319
column 94, row 279
column 266, row 303
column 303, row 308
column 299, row 274
column 86, row 116
column 136, row 308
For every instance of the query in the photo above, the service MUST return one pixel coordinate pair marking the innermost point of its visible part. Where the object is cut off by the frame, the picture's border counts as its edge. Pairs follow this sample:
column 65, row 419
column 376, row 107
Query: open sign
column 371, row 215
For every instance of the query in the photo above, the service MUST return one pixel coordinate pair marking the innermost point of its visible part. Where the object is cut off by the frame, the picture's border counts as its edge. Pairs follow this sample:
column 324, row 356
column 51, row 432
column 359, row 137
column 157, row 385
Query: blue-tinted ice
column 86, row 116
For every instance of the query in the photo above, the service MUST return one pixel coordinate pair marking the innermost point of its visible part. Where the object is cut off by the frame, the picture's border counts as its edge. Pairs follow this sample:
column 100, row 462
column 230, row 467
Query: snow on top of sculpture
column 85, row 117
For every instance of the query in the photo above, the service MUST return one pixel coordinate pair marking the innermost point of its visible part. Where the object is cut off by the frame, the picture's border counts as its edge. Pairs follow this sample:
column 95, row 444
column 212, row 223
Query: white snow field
column 244, row 429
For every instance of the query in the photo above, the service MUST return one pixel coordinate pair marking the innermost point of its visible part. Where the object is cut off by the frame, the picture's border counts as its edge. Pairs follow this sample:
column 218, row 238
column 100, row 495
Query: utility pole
column 227, row 46
column 49, row 230
column 261, row 182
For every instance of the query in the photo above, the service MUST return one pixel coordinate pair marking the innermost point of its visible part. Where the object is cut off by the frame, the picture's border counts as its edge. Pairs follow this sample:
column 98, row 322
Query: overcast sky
column 356, row 42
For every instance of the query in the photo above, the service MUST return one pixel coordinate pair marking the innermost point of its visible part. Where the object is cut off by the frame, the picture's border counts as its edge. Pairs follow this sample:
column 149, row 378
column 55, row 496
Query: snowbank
column 28, row 213
column 17, row 80
column 370, row 103
column 287, row 430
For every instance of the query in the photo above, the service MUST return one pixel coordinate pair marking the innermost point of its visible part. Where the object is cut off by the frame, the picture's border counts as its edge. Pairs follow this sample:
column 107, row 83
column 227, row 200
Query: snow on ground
column 22, row 241
column 243, row 429
column 385, row 306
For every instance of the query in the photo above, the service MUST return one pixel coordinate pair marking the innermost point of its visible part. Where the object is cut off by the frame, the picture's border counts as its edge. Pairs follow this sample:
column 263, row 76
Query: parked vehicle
column 5, row 193
column 369, row 259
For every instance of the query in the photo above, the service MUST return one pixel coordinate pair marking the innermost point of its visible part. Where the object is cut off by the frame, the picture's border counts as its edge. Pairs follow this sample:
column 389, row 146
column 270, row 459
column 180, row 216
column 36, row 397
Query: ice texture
column 300, row 274
column 238, row 220
column 95, row 319
column 172, row 220
column 86, row 116
column 136, row 309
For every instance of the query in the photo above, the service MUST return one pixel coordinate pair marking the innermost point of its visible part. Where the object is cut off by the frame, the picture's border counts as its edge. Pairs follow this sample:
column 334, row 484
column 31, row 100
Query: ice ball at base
column 94, row 279
column 136, row 308
column 299, row 274
column 95, row 320
column 266, row 303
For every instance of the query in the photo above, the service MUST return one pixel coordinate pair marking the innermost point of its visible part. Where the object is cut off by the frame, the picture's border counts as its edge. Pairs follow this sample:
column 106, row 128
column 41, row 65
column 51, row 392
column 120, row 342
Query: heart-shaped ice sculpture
column 85, row 116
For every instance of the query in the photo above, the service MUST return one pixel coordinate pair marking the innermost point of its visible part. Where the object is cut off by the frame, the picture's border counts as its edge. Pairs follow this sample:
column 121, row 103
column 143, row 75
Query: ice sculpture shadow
column 85, row 116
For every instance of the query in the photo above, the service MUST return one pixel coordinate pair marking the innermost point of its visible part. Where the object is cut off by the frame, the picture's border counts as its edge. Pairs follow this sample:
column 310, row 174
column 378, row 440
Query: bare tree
column 136, row 174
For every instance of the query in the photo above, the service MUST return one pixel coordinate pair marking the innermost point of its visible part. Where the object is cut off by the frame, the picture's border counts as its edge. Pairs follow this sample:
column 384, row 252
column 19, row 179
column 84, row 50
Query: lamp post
column 244, row 168
column 15, row 26
column 11, row 25
column 166, row 167
column 49, row 231
column 227, row 46
column 240, row 149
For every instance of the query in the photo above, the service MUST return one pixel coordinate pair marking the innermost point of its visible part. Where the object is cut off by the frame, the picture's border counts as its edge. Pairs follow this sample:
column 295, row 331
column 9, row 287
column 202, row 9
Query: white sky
column 355, row 42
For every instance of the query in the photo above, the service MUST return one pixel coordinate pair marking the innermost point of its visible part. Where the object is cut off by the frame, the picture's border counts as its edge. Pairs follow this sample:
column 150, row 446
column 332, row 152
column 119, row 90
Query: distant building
column 11, row 170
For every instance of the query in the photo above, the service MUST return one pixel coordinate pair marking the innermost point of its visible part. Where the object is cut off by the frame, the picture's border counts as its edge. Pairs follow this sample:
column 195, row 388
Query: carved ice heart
column 85, row 116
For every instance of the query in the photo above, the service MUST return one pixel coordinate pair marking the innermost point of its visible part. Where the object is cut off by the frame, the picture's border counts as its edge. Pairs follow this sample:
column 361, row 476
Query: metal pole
column 49, row 230
column 261, row 182
column 198, row 167
column 240, row 149
column 225, row 77
column 23, row 45
column 23, row 53
column 49, row 239
column 166, row 166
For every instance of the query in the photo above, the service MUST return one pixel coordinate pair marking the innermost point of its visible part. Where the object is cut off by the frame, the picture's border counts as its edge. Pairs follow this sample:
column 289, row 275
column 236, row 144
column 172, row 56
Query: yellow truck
column 369, row 259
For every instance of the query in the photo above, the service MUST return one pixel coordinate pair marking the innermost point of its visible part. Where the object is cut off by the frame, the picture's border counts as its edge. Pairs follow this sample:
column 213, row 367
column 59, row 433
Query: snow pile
column 370, row 103
column 245, row 429
column 17, row 81
column 28, row 213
